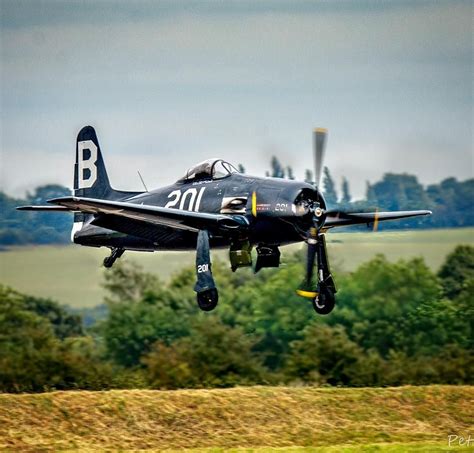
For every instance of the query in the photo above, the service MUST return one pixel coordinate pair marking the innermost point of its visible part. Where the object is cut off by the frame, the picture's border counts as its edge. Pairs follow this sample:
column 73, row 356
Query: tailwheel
column 115, row 254
column 108, row 262
column 207, row 300
column 324, row 301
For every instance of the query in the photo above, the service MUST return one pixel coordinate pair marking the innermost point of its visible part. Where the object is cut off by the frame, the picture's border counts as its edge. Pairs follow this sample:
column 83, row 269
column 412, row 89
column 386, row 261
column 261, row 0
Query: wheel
column 324, row 302
column 108, row 262
column 207, row 300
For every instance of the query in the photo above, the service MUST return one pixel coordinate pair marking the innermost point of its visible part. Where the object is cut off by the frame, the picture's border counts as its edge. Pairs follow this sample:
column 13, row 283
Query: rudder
column 90, row 176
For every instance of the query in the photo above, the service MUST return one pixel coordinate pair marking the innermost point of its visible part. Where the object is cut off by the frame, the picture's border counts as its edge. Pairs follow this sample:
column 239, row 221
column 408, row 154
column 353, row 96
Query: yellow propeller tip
column 321, row 130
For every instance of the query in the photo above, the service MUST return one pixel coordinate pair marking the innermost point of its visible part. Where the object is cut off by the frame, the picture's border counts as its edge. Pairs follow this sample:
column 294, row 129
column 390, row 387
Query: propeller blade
column 319, row 144
column 375, row 226
column 306, row 289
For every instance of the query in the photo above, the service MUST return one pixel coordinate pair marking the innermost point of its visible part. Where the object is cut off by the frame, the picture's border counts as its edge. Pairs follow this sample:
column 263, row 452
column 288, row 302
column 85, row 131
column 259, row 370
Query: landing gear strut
column 324, row 301
column 207, row 295
column 115, row 254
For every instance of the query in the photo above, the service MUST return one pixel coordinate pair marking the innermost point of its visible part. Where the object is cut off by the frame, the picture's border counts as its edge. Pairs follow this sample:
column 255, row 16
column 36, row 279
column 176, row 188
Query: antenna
column 143, row 182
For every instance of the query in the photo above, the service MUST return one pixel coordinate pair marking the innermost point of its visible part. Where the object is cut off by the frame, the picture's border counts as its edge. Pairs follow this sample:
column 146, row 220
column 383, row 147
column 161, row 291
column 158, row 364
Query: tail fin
column 90, row 175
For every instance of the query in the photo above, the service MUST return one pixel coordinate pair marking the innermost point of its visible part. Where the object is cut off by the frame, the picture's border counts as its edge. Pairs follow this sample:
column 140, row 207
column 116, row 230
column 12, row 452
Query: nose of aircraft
column 286, row 199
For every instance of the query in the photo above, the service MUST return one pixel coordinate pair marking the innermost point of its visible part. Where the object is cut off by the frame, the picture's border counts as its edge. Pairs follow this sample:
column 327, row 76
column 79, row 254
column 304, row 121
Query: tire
column 207, row 300
column 108, row 262
column 324, row 302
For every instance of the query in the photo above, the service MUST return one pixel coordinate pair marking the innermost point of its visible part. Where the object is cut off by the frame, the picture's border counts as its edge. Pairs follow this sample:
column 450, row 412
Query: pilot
column 203, row 171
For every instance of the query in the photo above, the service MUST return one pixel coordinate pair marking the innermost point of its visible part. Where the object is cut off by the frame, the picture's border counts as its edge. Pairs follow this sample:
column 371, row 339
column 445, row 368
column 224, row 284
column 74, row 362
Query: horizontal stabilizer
column 44, row 208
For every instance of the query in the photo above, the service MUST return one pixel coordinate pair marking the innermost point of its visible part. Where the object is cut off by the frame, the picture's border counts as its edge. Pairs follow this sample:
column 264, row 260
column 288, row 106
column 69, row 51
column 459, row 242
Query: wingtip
column 41, row 208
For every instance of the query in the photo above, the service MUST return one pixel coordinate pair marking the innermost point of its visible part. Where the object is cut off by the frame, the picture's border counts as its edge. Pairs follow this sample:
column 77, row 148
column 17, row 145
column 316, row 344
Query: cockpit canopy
column 209, row 169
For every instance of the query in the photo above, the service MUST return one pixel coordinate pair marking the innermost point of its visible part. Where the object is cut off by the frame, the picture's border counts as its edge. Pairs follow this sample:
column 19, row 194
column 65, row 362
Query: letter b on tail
column 87, row 167
column 90, row 175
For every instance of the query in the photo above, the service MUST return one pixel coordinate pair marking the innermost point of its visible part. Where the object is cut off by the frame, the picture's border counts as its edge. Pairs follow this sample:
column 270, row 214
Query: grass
column 413, row 447
column 260, row 419
column 73, row 274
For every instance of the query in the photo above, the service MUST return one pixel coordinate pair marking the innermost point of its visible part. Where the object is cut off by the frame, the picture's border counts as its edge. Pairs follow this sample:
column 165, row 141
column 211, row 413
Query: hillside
column 240, row 417
column 73, row 275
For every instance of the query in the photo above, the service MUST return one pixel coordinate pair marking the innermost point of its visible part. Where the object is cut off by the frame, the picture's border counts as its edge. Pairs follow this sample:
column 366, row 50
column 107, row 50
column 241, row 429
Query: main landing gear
column 207, row 295
column 322, row 294
column 115, row 254
column 325, row 300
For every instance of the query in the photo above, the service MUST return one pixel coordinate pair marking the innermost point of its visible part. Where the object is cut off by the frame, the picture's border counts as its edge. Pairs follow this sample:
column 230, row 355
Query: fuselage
column 271, row 205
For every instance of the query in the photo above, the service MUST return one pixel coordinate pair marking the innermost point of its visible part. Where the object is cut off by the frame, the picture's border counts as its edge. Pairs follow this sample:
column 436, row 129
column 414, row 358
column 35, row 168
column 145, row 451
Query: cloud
column 167, row 86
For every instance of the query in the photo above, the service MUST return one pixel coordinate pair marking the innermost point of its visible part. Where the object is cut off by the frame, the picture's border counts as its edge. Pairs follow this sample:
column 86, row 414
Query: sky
column 169, row 84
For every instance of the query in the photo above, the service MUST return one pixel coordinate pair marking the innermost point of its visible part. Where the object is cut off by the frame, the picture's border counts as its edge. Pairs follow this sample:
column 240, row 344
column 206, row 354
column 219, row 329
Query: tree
column 277, row 169
column 378, row 299
column 63, row 323
column 267, row 306
column 289, row 172
column 34, row 227
column 457, row 270
column 330, row 193
column 127, row 283
column 27, row 345
column 324, row 355
column 371, row 199
column 44, row 193
column 212, row 355
column 452, row 203
column 142, row 311
column 346, row 195
column 39, row 352
column 308, row 176
column 130, row 330
column 400, row 192
column 465, row 310
column 241, row 168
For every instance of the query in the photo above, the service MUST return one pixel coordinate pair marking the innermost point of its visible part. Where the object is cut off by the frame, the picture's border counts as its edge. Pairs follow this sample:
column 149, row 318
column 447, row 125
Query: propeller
column 319, row 145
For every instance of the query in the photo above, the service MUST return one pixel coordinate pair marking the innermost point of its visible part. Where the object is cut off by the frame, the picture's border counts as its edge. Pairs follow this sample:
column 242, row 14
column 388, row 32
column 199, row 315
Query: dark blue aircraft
column 212, row 205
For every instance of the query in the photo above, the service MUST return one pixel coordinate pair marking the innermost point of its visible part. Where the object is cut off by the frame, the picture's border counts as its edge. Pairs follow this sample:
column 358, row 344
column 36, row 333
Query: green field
column 242, row 419
column 73, row 274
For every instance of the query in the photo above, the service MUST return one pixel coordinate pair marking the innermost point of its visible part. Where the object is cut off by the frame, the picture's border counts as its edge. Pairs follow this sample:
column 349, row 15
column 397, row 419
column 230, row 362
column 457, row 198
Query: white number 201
column 191, row 194
column 203, row 268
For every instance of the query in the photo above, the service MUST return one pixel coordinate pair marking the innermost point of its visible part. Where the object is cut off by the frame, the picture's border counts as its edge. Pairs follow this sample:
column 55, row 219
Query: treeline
column 23, row 227
column 395, row 323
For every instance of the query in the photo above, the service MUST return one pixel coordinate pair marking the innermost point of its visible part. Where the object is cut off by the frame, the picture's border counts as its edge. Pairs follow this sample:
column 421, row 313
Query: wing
column 339, row 218
column 141, row 213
